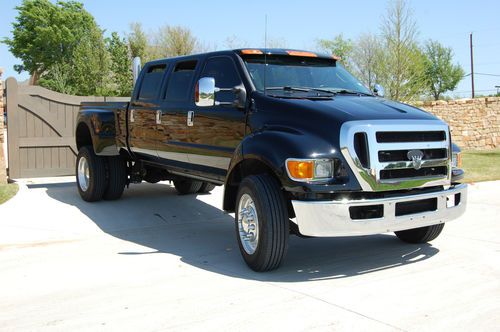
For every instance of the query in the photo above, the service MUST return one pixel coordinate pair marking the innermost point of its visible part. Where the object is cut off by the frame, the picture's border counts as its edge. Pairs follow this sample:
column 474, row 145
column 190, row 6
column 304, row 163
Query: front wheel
column 262, row 224
column 420, row 235
column 90, row 174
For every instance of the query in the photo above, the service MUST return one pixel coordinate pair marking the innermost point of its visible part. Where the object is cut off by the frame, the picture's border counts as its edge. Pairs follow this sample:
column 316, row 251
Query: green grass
column 481, row 165
column 7, row 191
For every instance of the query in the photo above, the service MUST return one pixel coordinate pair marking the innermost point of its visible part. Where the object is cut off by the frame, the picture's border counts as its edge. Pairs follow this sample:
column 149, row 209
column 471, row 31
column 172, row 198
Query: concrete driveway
column 157, row 261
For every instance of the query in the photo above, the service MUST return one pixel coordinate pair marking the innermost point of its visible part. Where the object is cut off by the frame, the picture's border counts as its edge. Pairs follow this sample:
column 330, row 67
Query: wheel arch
column 98, row 131
column 244, row 168
column 83, row 136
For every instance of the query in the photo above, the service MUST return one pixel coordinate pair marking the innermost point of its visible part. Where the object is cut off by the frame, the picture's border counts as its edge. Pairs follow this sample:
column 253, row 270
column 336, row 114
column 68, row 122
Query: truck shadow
column 155, row 217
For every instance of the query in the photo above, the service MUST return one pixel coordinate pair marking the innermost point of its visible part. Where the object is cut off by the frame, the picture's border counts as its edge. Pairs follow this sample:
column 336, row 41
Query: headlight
column 309, row 169
column 456, row 160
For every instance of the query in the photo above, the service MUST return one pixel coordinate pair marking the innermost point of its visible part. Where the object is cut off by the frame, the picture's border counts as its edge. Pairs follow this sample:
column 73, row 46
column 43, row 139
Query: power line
column 468, row 91
column 484, row 74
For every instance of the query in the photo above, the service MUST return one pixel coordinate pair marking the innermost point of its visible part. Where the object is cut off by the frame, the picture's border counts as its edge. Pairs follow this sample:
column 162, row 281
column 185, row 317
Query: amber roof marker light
column 251, row 51
column 302, row 53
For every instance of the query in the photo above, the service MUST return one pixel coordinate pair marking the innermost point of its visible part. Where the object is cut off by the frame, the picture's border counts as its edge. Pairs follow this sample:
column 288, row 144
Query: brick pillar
column 3, row 171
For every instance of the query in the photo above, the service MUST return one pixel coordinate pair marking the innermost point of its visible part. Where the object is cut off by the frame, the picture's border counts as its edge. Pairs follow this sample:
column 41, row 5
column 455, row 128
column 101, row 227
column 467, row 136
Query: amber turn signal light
column 301, row 169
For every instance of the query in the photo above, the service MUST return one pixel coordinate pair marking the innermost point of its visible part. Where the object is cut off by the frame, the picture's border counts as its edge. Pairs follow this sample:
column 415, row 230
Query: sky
column 300, row 24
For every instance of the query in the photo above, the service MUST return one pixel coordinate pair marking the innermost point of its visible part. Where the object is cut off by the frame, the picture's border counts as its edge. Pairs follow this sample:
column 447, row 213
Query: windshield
column 301, row 72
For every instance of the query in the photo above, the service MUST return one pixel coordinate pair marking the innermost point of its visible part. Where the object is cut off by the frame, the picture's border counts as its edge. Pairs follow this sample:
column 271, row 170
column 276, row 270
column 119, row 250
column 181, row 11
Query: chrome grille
column 410, row 136
column 402, row 155
column 385, row 162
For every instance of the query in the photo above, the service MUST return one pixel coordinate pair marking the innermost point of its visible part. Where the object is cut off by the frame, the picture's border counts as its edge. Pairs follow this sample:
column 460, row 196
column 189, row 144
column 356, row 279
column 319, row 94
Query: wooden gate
column 41, row 130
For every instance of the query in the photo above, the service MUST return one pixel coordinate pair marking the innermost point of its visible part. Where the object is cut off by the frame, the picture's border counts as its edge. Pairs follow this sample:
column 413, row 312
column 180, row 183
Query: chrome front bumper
column 333, row 218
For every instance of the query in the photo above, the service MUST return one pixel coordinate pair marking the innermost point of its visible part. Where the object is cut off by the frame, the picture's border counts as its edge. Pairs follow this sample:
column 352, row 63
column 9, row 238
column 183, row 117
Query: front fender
column 273, row 147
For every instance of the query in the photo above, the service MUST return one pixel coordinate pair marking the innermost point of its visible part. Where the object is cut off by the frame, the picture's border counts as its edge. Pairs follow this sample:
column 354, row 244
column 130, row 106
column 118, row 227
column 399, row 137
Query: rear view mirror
column 205, row 92
column 379, row 90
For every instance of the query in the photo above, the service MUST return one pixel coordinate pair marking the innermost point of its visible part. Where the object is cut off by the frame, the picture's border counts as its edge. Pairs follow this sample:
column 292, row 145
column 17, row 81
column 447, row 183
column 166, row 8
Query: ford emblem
column 416, row 158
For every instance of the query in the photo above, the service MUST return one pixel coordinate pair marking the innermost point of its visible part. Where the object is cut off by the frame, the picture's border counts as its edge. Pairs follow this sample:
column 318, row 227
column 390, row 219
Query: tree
column 90, row 66
column 276, row 43
column 121, row 65
column 442, row 74
column 403, row 71
column 232, row 42
column 172, row 41
column 58, row 78
column 63, row 48
column 46, row 34
column 367, row 59
column 340, row 47
column 137, row 41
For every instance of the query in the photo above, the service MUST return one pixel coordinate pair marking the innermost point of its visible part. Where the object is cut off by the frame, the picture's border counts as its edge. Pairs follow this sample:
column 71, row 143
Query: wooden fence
column 41, row 130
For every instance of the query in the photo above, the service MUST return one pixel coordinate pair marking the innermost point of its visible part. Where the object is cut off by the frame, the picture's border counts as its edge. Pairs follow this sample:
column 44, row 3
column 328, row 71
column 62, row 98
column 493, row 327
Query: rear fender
column 101, row 127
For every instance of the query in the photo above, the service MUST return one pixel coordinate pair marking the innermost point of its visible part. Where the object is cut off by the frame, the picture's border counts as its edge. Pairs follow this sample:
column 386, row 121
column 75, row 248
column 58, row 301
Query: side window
column 151, row 82
column 224, row 71
column 179, row 83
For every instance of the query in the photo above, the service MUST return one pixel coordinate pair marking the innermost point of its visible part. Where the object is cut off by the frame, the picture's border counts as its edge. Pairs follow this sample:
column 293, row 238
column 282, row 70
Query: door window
column 179, row 83
column 226, row 76
column 151, row 82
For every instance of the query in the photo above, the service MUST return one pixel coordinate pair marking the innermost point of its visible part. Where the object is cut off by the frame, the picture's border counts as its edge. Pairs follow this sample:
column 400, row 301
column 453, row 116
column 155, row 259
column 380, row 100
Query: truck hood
column 351, row 108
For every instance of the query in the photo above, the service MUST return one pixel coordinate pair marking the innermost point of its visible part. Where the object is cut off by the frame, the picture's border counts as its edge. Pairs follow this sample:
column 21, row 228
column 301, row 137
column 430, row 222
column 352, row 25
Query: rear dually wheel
column 90, row 174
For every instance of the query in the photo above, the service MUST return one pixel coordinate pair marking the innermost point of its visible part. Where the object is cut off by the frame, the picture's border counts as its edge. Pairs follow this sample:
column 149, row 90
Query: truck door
column 172, row 133
column 144, row 113
column 216, row 131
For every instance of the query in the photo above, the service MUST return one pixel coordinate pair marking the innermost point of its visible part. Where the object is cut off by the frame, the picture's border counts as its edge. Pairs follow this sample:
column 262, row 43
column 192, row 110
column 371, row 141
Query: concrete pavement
column 158, row 261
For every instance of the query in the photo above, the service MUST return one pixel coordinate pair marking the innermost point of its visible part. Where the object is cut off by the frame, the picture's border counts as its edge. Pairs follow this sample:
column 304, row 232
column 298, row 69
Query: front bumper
column 334, row 218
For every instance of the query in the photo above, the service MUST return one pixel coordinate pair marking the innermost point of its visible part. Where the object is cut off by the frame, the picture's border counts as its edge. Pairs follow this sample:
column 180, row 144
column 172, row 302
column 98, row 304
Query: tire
column 206, row 187
column 117, row 178
column 420, row 235
column 90, row 174
column 151, row 179
column 260, row 199
column 187, row 186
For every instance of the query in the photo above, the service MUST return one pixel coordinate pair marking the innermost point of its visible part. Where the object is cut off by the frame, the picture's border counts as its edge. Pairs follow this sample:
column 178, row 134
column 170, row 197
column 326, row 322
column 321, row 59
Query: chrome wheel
column 248, row 224
column 83, row 173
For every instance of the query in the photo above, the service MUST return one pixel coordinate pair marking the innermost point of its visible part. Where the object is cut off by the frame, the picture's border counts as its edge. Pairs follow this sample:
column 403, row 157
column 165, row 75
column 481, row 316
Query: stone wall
column 475, row 123
column 3, row 173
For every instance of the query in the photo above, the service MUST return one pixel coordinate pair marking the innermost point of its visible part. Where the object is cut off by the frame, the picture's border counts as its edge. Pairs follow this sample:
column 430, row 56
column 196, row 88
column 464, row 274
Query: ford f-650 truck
column 300, row 145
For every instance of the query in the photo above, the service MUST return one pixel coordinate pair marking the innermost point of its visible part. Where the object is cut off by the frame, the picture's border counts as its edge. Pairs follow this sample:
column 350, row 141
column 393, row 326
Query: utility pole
column 471, row 65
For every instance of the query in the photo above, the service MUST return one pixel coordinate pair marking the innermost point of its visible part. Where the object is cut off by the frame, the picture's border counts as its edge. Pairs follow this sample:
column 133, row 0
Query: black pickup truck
column 300, row 145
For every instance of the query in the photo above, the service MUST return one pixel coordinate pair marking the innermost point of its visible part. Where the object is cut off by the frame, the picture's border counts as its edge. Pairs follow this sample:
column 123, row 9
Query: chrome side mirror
column 379, row 90
column 205, row 92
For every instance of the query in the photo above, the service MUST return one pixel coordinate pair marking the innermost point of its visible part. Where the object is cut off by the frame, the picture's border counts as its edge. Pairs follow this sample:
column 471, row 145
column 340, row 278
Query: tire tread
column 117, row 178
column 420, row 235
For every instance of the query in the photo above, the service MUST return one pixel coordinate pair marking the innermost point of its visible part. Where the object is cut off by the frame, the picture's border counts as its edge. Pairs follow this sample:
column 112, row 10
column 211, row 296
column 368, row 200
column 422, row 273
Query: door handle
column 158, row 117
column 132, row 119
column 190, row 118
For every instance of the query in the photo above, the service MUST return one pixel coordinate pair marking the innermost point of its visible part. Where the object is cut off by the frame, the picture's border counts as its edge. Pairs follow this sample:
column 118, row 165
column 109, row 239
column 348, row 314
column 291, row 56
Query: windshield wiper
column 287, row 88
column 299, row 89
column 351, row 92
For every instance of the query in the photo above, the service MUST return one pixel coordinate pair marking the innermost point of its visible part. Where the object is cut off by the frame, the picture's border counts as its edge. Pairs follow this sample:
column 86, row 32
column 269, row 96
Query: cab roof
column 252, row 52
column 284, row 51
